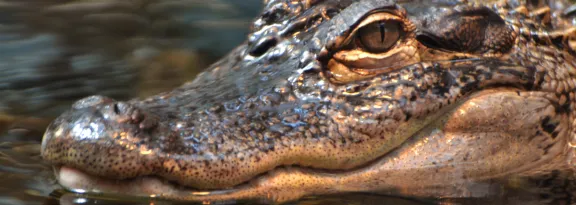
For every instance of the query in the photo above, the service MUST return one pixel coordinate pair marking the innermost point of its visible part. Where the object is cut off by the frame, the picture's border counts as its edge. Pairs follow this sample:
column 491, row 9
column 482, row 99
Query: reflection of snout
column 97, row 136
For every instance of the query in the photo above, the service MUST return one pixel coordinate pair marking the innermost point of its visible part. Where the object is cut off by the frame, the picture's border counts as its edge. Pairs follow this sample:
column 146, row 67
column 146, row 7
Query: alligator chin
column 81, row 182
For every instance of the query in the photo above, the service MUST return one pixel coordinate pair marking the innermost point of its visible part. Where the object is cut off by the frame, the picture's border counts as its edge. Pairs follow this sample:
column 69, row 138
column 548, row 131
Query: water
column 25, row 178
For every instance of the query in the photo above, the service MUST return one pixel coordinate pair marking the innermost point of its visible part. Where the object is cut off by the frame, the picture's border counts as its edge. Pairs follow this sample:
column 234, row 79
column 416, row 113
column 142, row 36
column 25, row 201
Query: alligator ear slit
column 429, row 41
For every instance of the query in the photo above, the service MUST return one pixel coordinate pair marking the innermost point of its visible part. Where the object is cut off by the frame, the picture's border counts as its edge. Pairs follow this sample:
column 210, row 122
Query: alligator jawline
column 174, row 186
column 155, row 186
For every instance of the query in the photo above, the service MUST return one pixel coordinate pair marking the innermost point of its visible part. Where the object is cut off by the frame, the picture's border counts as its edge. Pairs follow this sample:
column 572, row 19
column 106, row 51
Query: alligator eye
column 381, row 42
column 380, row 36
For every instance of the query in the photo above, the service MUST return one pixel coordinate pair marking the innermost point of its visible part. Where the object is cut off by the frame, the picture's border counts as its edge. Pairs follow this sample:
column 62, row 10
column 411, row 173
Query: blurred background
column 53, row 52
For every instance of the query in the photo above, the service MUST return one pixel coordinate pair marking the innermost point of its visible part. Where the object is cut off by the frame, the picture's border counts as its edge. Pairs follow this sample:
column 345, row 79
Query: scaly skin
column 468, row 92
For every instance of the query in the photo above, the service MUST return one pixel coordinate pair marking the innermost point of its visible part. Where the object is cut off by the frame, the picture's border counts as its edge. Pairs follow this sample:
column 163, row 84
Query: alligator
column 423, row 98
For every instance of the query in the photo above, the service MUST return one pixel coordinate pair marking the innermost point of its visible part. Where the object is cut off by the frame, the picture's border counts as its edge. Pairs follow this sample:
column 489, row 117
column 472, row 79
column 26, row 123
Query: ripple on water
column 25, row 179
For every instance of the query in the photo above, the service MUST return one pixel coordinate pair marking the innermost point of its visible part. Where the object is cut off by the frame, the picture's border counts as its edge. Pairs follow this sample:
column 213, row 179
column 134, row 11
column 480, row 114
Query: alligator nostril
column 122, row 112
column 116, row 109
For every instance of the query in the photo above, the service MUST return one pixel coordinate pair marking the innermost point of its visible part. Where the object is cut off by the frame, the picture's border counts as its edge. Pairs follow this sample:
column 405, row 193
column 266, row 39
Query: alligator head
column 330, row 96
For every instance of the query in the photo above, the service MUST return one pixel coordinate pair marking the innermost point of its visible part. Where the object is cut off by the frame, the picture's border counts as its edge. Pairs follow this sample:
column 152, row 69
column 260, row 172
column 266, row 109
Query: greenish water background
column 53, row 52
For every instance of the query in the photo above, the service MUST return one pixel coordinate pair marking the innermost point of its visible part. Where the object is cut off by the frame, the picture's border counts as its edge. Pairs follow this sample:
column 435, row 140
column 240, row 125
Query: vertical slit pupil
column 382, row 31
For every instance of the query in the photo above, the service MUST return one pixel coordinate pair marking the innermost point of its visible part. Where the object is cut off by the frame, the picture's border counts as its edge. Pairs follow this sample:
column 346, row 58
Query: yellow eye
column 381, row 42
column 380, row 36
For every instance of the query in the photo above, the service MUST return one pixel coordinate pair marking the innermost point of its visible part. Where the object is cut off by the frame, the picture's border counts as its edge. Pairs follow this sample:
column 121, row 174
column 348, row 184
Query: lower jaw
column 153, row 187
column 146, row 186
column 264, row 188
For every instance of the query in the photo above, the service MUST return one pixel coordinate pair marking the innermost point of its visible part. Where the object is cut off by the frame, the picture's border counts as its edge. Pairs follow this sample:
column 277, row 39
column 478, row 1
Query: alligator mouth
column 143, row 186
column 153, row 186
column 90, row 138
column 259, row 186
column 279, row 184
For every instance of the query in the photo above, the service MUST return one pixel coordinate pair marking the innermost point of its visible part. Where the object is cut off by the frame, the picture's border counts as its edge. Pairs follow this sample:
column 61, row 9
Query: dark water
column 53, row 52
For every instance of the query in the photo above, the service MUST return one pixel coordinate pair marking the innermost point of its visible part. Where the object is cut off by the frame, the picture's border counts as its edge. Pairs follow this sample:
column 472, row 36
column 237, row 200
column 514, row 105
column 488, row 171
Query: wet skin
column 330, row 96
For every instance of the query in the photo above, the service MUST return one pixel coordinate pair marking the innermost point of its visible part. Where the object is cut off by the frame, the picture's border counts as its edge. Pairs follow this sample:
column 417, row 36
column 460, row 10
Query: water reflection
column 65, row 198
column 25, row 178
column 53, row 52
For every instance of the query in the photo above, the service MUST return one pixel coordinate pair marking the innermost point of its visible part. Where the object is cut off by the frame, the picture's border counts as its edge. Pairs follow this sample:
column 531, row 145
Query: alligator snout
column 102, row 135
column 111, row 139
